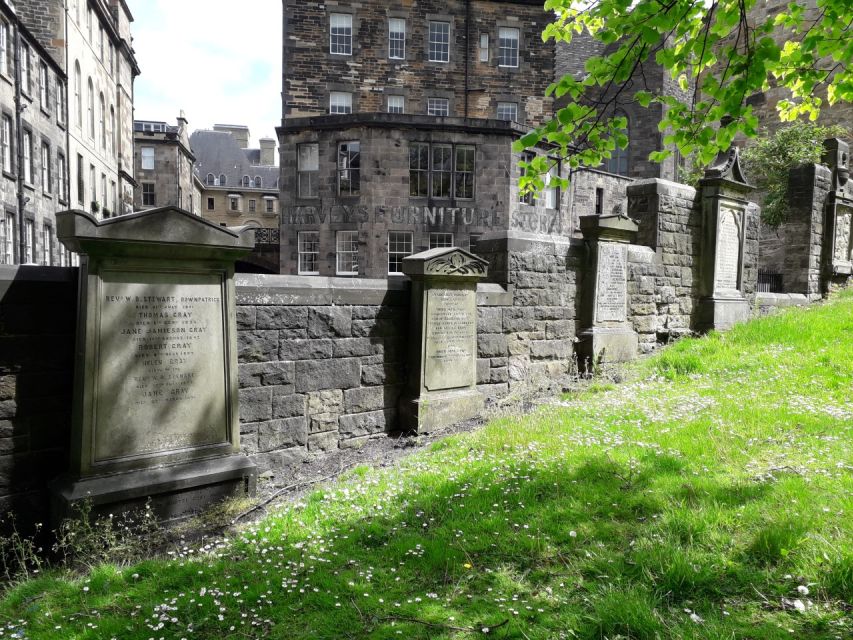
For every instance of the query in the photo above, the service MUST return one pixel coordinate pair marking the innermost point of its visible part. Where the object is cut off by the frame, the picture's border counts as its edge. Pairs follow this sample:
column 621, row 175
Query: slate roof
column 217, row 152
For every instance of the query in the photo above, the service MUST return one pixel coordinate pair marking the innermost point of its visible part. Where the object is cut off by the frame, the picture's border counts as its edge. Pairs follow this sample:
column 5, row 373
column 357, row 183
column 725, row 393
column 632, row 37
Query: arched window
column 618, row 162
column 258, row 182
column 222, row 180
column 245, row 181
column 112, row 129
column 78, row 94
column 102, row 115
column 91, row 114
column 210, row 179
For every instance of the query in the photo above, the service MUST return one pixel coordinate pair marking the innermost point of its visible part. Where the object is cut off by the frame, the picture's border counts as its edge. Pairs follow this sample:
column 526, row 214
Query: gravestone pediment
column 163, row 227
column 448, row 261
column 727, row 167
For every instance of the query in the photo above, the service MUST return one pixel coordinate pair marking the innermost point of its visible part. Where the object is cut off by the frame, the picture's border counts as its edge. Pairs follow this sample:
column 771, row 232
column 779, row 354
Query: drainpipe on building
column 19, row 110
column 467, row 49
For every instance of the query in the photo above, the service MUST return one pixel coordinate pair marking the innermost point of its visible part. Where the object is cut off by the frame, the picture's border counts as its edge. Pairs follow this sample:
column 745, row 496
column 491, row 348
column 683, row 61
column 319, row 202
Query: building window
column 7, row 229
column 61, row 177
column 399, row 246
column 102, row 121
column 253, row 205
column 309, row 252
column 4, row 48
column 29, row 174
column 438, row 106
column 26, row 69
column 60, row 100
column 47, row 235
column 43, row 87
column 599, row 201
column 91, row 112
column 78, row 94
column 473, row 239
column 307, row 169
column 81, row 187
column 346, row 251
column 233, row 203
column 29, row 242
column 439, row 42
column 222, row 180
column 440, row 240
column 349, row 168
column 484, row 47
column 93, row 187
column 149, row 198
column 340, row 34
column 104, row 201
column 340, row 102
column 442, row 170
column 89, row 23
column 396, row 104
column 46, row 182
column 147, row 158
column 112, row 130
column 114, row 197
column 246, row 181
column 258, row 182
column 463, row 172
column 508, row 111
column 269, row 205
column 6, row 144
column 530, row 196
column 419, row 170
column 396, row 38
column 552, row 191
column 507, row 47
column 618, row 161
column 210, row 204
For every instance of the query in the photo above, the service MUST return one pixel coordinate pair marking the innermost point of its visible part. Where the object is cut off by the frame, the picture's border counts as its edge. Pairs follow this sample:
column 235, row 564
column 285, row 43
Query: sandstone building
column 239, row 185
column 164, row 166
column 398, row 126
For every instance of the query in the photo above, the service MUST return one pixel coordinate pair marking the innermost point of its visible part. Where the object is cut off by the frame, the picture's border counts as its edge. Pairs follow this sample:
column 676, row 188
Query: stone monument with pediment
column 839, row 212
column 155, row 411
column 442, row 384
column 606, row 334
column 724, row 223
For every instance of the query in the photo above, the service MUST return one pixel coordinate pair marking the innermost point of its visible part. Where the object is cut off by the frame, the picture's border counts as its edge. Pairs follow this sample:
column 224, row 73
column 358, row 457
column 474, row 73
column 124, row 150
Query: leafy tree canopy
column 712, row 45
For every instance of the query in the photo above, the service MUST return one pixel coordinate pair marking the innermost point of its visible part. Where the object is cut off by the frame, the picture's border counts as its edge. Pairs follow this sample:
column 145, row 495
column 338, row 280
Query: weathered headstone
column 606, row 336
column 443, row 341
column 839, row 210
column 155, row 413
column 724, row 223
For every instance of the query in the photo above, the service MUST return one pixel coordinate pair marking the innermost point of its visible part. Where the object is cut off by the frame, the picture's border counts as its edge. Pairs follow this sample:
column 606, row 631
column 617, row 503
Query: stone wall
column 37, row 325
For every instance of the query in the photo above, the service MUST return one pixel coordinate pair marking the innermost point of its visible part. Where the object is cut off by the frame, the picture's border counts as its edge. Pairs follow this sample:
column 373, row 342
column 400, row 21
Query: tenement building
column 164, row 165
column 33, row 143
column 239, row 185
column 399, row 120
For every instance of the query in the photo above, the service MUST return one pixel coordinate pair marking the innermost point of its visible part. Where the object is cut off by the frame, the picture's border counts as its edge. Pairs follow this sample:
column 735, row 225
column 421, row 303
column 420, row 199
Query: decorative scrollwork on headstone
column 455, row 264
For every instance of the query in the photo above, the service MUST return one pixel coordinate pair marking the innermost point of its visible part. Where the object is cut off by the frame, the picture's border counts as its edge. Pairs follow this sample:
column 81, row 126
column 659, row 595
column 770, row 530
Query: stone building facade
column 164, row 165
column 239, row 185
column 33, row 141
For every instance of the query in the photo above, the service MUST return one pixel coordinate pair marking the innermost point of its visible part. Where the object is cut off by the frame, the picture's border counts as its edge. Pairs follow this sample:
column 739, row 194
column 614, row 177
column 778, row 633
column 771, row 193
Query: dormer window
column 246, row 181
column 210, row 179
column 258, row 182
column 222, row 180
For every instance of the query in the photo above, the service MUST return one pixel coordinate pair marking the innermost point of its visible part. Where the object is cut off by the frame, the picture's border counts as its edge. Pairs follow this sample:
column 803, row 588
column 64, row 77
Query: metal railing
column 770, row 282
column 267, row 236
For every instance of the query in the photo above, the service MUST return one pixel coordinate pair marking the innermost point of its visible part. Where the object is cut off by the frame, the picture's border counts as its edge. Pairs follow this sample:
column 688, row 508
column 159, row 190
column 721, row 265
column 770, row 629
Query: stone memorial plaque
column 728, row 251
column 161, row 377
column 611, row 293
column 842, row 236
column 451, row 337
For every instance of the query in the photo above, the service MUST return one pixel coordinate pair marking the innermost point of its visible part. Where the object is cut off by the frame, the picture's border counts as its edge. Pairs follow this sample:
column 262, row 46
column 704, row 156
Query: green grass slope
column 709, row 498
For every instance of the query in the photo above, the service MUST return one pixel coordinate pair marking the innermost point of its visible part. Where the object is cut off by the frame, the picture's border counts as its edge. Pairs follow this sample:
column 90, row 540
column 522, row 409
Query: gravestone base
column 175, row 492
column 606, row 345
column 430, row 411
column 720, row 313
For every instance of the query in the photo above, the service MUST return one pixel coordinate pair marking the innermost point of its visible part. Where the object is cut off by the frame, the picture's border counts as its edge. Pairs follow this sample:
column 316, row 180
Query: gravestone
column 839, row 211
column 606, row 335
column 442, row 383
column 724, row 188
column 155, row 413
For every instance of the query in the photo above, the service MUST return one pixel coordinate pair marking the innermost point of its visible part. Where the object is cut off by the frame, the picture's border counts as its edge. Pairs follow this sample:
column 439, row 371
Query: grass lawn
column 712, row 497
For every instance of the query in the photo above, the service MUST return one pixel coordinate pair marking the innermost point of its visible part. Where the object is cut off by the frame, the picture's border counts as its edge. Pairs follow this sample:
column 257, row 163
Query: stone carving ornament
column 455, row 264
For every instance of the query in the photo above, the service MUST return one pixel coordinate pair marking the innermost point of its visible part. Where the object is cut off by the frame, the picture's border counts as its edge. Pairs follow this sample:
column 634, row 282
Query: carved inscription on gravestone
column 611, row 290
column 161, row 382
column 728, row 250
column 450, row 338
column 842, row 236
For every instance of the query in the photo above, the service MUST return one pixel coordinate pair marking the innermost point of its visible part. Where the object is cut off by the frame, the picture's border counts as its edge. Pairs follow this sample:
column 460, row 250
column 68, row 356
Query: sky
column 220, row 64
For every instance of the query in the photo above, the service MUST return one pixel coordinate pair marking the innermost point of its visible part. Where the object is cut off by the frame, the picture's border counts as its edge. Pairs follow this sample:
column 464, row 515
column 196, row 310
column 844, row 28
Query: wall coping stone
column 781, row 299
column 662, row 187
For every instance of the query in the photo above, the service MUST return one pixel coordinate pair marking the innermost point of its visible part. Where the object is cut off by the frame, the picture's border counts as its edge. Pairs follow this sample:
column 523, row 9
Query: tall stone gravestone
column 442, row 383
column 606, row 336
column 839, row 212
column 724, row 188
column 155, row 412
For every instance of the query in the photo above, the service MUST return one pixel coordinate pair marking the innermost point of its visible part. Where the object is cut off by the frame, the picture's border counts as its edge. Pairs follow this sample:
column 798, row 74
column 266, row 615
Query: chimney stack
column 268, row 151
